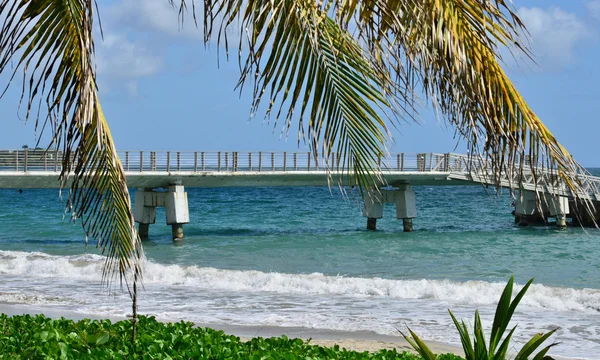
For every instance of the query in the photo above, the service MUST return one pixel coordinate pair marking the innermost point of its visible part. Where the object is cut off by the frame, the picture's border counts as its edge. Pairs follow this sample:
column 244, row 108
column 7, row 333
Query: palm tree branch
column 315, row 69
column 451, row 50
column 52, row 40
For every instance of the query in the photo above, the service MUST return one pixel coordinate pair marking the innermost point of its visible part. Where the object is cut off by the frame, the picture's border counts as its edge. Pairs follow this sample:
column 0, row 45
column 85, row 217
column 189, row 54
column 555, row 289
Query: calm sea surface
column 302, row 257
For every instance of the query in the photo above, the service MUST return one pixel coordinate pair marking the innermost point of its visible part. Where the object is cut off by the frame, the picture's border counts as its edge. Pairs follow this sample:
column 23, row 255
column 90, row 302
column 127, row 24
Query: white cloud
column 123, row 60
column 594, row 8
column 159, row 19
column 155, row 15
column 555, row 34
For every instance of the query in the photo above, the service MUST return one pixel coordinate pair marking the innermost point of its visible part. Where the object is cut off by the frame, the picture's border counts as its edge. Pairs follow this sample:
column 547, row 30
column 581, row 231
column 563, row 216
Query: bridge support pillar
column 143, row 230
column 559, row 208
column 525, row 207
column 144, row 212
column 527, row 210
column 373, row 209
column 406, row 206
column 403, row 197
column 176, row 206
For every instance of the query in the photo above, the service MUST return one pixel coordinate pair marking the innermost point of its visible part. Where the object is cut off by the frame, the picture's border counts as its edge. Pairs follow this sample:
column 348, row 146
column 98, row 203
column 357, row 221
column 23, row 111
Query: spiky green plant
column 498, row 348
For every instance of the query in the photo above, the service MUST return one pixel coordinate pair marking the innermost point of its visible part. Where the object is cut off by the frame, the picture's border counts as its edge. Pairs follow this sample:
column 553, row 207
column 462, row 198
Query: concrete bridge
column 174, row 171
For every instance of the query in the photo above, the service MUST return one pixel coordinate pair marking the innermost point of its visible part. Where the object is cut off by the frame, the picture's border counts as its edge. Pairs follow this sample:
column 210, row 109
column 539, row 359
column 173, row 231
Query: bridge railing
column 477, row 169
column 26, row 160
column 262, row 161
column 30, row 160
column 541, row 177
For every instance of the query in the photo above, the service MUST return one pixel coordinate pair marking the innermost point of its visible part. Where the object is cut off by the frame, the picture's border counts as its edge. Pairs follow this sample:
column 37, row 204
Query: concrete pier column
column 407, row 224
column 176, row 206
column 561, row 221
column 177, row 231
column 523, row 220
column 558, row 207
column 525, row 206
column 144, row 211
column 143, row 230
column 406, row 206
column 371, row 224
column 373, row 208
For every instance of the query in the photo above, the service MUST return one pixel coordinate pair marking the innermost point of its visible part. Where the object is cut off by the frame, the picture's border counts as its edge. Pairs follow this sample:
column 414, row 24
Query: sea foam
column 477, row 293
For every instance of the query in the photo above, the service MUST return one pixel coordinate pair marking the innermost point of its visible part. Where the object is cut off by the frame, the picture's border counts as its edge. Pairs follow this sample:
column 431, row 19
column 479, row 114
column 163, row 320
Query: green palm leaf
column 52, row 40
column 317, row 72
column 451, row 48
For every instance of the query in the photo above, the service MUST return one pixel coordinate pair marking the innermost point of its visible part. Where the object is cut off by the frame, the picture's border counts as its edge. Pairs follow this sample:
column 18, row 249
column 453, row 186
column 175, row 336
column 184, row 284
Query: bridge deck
column 40, row 179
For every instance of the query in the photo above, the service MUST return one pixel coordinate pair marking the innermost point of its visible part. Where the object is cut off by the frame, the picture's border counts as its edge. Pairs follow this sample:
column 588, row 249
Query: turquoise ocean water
column 302, row 257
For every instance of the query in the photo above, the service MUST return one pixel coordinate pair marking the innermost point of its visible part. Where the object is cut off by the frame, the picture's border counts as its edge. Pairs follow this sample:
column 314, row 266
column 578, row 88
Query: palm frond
column 52, row 43
column 316, row 71
column 451, row 49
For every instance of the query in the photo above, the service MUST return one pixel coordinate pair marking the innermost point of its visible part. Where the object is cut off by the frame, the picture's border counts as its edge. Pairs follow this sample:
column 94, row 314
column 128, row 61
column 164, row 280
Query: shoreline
column 351, row 340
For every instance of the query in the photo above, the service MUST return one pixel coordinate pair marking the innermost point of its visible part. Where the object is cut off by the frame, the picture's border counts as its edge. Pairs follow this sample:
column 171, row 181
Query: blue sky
column 161, row 89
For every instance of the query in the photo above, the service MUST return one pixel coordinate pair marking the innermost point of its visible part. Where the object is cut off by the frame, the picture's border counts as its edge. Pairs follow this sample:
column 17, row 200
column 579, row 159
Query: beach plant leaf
column 531, row 346
column 465, row 338
column 19, row 339
column 419, row 345
column 504, row 311
column 477, row 350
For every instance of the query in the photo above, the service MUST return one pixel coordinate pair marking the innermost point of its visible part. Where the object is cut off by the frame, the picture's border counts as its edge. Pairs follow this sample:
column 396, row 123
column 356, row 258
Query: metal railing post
column 26, row 160
column 17, row 160
column 398, row 162
column 272, row 161
column 202, row 159
column 250, row 161
column 259, row 161
column 446, row 162
column 284, row 161
column 402, row 162
column 45, row 161
column 219, row 161
column 168, row 161
column 295, row 161
column 308, row 166
column 141, row 161
column 127, row 160
column 430, row 161
column 195, row 161
column 235, row 161
column 226, row 161
column 178, row 161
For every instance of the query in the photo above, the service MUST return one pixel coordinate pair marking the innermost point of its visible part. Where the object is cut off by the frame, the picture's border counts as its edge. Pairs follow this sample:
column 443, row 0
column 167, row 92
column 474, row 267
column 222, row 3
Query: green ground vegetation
column 38, row 337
